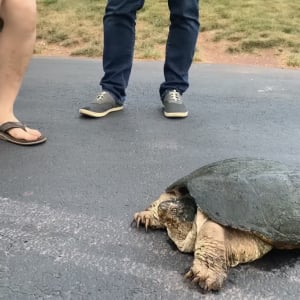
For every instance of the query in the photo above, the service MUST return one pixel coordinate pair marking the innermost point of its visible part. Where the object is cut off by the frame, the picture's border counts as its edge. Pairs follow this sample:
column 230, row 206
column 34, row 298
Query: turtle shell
column 256, row 195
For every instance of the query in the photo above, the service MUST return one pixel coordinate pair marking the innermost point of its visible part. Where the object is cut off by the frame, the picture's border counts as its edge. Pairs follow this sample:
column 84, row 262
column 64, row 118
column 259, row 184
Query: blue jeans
column 119, row 38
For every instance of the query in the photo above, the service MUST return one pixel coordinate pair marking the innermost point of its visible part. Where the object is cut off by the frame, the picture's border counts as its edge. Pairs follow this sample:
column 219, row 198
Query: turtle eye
column 174, row 210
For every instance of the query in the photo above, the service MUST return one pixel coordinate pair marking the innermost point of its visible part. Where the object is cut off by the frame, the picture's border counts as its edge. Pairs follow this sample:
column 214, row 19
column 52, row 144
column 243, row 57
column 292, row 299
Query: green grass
column 72, row 24
column 254, row 25
column 245, row 25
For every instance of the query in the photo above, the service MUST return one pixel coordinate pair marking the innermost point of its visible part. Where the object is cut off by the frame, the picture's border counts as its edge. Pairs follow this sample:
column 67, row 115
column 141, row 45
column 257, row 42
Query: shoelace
column 174, row 96
column 100, row 97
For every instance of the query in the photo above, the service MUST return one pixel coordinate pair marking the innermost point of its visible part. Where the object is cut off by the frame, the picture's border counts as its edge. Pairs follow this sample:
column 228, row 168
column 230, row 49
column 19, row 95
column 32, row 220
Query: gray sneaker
column 103, row 105
column 173, row 105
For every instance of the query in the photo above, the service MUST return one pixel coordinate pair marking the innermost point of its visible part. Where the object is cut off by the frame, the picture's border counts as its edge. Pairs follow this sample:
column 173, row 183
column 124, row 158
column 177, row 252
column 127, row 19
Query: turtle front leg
column 209, row 268
column 149, row 217
column 218, row 248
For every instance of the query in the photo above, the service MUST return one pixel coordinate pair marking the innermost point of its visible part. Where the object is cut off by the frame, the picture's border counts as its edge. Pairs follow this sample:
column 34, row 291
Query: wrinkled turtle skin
column 230, row 212
column 256, row 195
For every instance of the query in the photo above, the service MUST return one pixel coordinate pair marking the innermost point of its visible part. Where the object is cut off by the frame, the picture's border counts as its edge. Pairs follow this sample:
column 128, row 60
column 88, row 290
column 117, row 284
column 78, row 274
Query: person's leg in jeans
column 119, row 39
column 181, row 43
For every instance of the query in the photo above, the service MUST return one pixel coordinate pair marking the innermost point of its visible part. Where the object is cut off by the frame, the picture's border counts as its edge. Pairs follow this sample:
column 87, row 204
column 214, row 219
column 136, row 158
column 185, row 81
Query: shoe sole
column 98, row 114
column 176, row 114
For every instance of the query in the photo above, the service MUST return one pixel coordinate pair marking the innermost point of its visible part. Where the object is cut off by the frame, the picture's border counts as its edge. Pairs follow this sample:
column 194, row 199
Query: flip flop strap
column 5, row 127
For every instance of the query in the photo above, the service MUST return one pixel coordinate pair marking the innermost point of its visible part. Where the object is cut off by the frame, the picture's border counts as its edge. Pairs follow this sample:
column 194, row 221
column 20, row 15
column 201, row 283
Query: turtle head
column 180, row 210
column 178, row 216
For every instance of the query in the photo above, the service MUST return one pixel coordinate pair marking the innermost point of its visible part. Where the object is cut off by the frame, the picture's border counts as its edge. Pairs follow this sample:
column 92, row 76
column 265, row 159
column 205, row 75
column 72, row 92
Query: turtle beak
column 169, row 211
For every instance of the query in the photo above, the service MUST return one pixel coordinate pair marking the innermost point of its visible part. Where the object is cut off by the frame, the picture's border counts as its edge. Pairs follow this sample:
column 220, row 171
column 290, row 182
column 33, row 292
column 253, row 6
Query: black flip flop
column 1, row 24
column 4, row 134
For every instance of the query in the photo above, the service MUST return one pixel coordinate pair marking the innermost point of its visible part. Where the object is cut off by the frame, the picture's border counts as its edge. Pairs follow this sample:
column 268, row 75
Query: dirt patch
column 216, row 52
column 208, row 52
column 44, row 49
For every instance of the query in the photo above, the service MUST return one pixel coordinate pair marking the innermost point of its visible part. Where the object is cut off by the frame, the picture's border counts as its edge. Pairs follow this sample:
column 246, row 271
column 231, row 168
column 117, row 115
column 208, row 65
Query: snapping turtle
column 229, row 212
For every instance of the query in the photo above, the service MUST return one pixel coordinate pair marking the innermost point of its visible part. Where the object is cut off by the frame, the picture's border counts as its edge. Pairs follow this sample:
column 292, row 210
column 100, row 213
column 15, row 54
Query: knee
column 21, row 16
column 29, row 16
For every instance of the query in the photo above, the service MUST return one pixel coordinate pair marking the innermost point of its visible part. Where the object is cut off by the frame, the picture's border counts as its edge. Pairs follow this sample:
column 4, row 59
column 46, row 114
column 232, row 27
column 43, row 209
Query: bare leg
column 16, row 47
column 149, row 217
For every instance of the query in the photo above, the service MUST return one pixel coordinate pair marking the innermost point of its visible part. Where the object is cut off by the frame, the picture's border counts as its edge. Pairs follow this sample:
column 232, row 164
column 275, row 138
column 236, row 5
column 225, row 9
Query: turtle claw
column 188, row 275
column 134, row 223
column 196, row 280
column 138, row 221
column 141, row 218
column 147, row 219
column 207, row 280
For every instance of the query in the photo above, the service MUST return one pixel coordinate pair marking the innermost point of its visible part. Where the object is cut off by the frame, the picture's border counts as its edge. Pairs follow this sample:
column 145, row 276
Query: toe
column 21, row 134
column 33, row 132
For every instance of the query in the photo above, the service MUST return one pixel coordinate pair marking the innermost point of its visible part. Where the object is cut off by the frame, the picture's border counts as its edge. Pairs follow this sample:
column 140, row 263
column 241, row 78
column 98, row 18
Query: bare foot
column 21, row 134
column 28, row 135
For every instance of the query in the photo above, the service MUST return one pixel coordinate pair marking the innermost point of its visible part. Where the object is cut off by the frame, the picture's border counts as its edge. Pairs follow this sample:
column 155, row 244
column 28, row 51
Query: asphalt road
column 66, row 206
